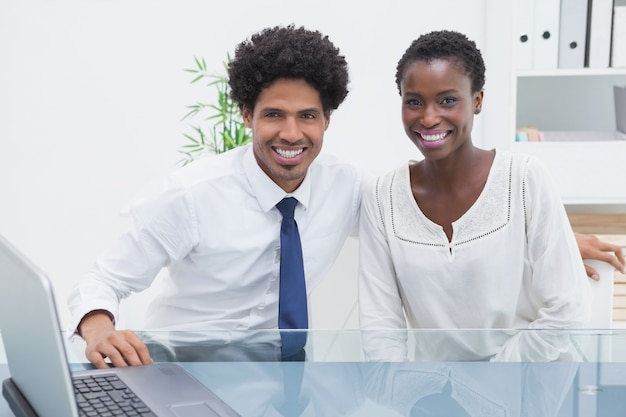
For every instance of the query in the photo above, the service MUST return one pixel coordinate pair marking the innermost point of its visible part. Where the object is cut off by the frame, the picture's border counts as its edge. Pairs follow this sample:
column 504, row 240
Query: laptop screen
column 32, row 335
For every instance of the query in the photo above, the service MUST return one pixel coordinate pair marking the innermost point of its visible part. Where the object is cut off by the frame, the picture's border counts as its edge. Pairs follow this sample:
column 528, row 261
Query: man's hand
column 593, row 248
column 122, row 347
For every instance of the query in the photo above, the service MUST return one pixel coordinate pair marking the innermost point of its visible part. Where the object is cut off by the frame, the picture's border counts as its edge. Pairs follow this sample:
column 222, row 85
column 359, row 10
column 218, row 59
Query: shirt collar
column 267, row 193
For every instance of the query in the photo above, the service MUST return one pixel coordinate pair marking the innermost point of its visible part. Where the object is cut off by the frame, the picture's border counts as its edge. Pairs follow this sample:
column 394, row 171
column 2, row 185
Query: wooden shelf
column 609, row 224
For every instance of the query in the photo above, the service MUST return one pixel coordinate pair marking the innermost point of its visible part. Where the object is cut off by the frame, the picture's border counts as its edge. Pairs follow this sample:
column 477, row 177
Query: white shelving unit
column 587, row 157
column 589, row 167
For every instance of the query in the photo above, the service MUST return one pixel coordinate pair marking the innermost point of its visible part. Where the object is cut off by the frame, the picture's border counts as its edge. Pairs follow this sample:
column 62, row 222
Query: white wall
column 92, row 93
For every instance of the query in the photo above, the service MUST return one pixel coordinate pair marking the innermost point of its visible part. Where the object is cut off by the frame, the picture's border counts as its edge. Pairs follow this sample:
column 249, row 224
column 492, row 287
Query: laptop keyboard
column 107, row 395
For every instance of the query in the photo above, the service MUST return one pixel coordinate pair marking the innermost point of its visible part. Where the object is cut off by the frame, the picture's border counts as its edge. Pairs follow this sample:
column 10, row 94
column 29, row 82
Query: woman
column 466, row 237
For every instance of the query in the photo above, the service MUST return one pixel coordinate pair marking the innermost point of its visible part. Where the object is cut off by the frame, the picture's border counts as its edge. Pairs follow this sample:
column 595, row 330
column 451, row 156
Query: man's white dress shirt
column 215, row 227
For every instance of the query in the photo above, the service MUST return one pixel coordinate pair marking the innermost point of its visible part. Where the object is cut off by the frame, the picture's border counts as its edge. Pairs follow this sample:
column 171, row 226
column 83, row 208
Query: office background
column 92, row 93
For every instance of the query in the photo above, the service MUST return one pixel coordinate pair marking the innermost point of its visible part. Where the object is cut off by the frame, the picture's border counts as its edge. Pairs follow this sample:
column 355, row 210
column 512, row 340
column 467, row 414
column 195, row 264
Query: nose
column 290, row 130
column 430, row 117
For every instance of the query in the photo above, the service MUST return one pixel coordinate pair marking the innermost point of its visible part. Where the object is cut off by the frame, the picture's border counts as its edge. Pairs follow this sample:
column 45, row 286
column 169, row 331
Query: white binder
column 525, row 35
column 601, row 21
column 546, row 30
column 573, row 34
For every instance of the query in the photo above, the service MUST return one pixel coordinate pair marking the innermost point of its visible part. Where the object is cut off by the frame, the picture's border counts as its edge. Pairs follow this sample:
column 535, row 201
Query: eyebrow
column 280, row 110
column 441, row 93
column 450, row 91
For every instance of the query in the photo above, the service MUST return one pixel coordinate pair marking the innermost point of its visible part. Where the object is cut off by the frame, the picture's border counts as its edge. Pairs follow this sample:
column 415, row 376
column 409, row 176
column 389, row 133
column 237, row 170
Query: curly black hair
column 445, row 44
column 291, row 53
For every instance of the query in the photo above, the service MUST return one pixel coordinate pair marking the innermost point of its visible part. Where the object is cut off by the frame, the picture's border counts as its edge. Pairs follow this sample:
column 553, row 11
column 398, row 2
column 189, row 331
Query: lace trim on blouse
column 490, row 213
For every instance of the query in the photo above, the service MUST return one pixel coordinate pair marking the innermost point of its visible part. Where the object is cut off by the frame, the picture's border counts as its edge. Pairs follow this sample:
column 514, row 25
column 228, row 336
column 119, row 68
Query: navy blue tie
column 292, row 302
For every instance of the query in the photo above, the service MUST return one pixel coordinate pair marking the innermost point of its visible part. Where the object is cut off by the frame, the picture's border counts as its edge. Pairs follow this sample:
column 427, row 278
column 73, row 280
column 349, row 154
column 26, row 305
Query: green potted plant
column 220, row 118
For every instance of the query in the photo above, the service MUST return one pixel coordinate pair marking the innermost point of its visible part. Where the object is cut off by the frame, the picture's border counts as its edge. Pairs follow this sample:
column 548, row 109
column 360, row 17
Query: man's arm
column 593, row 248
column 122, row 347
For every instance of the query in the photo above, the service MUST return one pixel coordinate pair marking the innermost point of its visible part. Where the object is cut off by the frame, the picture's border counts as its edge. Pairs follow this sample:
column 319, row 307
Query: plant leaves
column 225, row 123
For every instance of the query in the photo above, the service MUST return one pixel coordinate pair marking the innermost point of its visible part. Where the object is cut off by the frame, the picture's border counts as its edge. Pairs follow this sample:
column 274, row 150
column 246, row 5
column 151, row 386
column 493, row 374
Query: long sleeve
column 380, row 303
column 134, row 260
column 558, row 273
column 557, row 293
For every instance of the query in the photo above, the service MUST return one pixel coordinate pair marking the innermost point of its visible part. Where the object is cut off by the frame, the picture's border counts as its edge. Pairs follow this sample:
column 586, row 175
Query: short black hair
column 287, row 52
column 449, row 45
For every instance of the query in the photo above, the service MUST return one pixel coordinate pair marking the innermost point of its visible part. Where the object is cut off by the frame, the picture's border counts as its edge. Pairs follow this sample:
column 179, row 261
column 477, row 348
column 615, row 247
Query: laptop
column 41, row 383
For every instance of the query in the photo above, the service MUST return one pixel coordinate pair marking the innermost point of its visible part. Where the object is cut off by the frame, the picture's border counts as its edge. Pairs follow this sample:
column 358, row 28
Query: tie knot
column 287, row 206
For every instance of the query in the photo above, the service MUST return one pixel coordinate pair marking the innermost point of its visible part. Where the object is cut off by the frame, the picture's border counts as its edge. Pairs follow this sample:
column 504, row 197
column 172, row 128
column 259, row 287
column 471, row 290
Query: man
column 214, row 223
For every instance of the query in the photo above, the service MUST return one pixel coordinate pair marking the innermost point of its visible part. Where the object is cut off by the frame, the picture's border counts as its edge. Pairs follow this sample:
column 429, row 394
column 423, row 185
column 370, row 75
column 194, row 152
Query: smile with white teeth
column 433, row 138
column 289, row 153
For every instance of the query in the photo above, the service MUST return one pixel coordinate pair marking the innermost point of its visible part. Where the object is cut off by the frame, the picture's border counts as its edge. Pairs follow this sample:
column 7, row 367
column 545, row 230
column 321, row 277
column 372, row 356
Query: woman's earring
column 477, row 111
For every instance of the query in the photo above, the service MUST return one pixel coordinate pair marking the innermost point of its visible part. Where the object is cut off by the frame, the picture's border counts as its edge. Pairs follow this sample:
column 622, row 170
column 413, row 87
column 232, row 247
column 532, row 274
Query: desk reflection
column 446, row 373
column 471, row 389
column 470, row 345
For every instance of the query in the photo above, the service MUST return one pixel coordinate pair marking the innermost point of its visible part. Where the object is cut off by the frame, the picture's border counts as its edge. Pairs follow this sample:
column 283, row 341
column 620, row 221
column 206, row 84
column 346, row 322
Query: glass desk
column 440, row 374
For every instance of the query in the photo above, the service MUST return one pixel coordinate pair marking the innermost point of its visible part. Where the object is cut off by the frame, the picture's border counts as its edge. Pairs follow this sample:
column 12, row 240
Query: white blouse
column 512, row 263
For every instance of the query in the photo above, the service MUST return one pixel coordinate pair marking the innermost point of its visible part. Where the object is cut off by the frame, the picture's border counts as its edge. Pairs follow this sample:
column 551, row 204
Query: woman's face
column 438, row 106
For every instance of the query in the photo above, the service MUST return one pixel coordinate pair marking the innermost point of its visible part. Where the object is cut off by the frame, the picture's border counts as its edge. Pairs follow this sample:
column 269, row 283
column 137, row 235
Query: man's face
column 288, row 125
